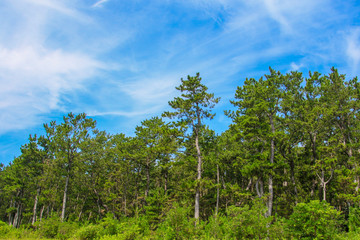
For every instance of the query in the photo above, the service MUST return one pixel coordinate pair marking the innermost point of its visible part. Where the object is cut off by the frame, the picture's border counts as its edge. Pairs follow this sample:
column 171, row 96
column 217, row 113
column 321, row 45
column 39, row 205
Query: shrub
column 177, row 224
column 66, row 230
column 314, row 220
column 88, row 232
column 4, row 228
column 247, row 223
column 354, row 219
column 48, row 228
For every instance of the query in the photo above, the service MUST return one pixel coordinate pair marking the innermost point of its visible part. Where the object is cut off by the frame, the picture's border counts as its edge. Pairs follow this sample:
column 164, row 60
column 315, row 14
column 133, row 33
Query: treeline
column 293, row 140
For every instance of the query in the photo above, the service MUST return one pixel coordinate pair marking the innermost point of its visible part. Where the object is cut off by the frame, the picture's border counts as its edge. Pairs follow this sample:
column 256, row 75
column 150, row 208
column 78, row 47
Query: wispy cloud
column 99, row 3
column 36, row 71
column 353, row 48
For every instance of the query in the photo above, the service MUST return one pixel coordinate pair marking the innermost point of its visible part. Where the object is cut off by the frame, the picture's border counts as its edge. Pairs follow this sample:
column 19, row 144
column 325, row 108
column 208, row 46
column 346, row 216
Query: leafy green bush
column 48, row 228
column 354, row 219
column 247, row 223
column 314, row 220
column 4, row 228
column 109, row 225
column 88, row 232
column 177, row 224
column 66, row 230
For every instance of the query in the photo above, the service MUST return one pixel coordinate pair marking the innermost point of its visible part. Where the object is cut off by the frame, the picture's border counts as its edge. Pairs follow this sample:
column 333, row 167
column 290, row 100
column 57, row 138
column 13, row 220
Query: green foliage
column 66, row 230
column 250, row 222
column 314, row 220
column 354, row 219
column 88, row 232
column 4, row 228
column 48, row 228
column 177, row 224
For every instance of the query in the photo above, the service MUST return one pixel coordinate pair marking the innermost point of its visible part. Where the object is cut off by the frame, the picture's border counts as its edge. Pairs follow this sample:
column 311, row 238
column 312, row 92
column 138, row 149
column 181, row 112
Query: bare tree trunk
column 64, row 198
column 147, row 178
column 217, row 189
column 41, row 212
column 35, row 206
column 259, row 190
column 198, row 179
column 324, row 182
column 17, row 218
column 125, row 203
column 166, row 181
column 292, row 172
column 272, row 156
column 11, row 215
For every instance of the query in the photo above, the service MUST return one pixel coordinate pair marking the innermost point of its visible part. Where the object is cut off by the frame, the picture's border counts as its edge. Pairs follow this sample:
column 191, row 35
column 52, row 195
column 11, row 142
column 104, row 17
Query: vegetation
column 286, row 168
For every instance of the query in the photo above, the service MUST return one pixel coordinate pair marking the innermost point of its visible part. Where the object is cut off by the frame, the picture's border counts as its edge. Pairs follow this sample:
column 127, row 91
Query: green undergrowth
column 313, row 220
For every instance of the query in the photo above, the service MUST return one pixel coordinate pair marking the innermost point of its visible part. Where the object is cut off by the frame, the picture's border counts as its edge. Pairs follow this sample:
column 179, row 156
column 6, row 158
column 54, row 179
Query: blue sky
column 120, row 60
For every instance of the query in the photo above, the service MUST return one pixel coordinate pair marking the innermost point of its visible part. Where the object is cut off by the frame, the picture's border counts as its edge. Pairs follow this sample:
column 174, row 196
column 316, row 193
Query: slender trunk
column 272, row 156
column 35, row 206
column 136, row 196
column 17, row 218
column 147, row 178
column 249, row 185
column 217, row 189
column 64, row 198
column 11, row 215
column 166, row 181
column 198, row 178
column 125, row 203
column 324, row 184
column 259, row 189
column 41, row 212
column 292, row 172
column 80, row 214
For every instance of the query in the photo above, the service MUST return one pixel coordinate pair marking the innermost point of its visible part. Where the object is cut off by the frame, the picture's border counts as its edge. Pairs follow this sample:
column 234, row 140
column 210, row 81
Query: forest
column 287, row 167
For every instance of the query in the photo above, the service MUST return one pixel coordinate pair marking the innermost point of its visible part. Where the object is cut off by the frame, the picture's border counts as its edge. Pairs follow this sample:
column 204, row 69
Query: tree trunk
column 11, row 215
column 125, row 203
column 41, row 212
column 64, row 198
column 17, row 218
column 147, row 178
column 272, row 156
column 259, row 191
column 198, row 179
column 292, row 172
column 217, row 189
column 35, row 206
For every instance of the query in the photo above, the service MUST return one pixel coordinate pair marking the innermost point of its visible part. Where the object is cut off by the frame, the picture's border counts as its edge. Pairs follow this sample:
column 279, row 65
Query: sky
column 119, row 61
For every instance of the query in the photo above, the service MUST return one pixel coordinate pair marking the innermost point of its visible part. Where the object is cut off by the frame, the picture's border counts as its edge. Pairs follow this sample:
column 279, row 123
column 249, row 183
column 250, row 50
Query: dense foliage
column 287, row 167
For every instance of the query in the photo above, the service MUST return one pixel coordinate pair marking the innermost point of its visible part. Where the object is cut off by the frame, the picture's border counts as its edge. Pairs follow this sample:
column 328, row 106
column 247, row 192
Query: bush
column 354, row 219
column 177, row 224
column 247, row 223
column 66, row 230
column 48, row 228
column 314, row 220
column 88, row 232
column 4, row 228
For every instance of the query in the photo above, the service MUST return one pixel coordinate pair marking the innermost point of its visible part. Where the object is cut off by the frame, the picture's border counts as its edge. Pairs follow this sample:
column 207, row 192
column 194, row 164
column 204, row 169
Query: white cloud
column 295, row 67
column 125, row 113
column 273, row 6
column 99, row 3
column 34, row 74
column 149, row 91
column 353, row 48
column 33, row 81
